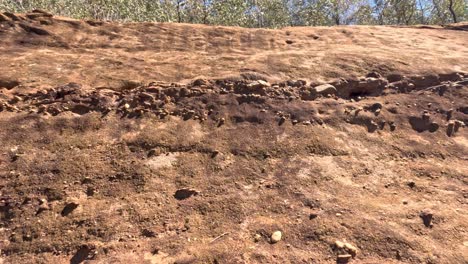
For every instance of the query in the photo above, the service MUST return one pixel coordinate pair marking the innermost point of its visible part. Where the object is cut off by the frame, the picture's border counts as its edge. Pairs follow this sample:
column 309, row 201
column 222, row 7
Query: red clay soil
column 173, row 143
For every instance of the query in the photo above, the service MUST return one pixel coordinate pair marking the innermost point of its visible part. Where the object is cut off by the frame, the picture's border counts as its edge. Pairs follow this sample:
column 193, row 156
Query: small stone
column 276, row 237
column 258, row 85
column 345, row 258
column 451, row 128
column 372, row 126
column 325, row 89
column 257, row 237
column 426, row 116
column 339, row 244
column 458, row 125
column 221, row 121
column 154, row 152
column 264, row 83
column 126, row 106
column 282, row 120
column 357, row 111
column 351, row 249
column 16, row 99
column 449, row 114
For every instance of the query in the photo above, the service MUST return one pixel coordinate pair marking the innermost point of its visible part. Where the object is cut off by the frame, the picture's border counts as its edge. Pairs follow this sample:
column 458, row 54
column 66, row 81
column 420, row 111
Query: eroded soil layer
column 366, row 170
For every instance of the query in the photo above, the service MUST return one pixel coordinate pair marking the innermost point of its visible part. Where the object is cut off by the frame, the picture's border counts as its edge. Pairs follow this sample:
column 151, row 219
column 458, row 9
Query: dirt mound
column 304, row 145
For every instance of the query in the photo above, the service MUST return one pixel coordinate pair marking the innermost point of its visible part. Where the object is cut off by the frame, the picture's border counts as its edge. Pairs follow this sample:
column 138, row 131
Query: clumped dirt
column 360, row 160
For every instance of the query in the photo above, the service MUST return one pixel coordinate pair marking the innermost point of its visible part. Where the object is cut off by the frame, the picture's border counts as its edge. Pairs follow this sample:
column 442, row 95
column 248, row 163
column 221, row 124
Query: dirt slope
column 105, row 160
column 60, row 50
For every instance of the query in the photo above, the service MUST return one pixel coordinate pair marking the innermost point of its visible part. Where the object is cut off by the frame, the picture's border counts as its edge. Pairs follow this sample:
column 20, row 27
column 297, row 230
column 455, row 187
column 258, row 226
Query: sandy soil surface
column 60, row 50
column 164, row 143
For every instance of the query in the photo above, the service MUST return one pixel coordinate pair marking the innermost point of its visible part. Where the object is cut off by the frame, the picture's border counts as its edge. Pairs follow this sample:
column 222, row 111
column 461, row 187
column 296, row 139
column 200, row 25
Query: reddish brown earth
column 164, row 143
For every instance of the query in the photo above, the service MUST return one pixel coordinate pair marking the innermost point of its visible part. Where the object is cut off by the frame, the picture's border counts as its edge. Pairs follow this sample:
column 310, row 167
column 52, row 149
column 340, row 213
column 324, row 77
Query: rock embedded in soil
column 451, row 128
column 370, row 86
column 372, row 126
column 351, row 249
column 375, row 107
column 276, row 237
column 44, row 206
column 345, row 248
column 344, row 258
column 339, row 244
column 257, row 237
column 325, row 89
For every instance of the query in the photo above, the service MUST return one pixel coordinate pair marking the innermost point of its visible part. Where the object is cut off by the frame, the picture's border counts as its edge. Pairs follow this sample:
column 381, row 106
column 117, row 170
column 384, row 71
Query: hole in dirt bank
column 183, row 194
column 314, row 36
column 248, row 119
column 420, row 125
column 354, row 95
column 80, row 109
column 9, row 84
column 124, row 85
column 81, row 255
column 69, row 208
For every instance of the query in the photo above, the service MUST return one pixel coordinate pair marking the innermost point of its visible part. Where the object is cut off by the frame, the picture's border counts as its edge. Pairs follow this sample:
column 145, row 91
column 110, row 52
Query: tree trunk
column 454, row 16
column 179, row 18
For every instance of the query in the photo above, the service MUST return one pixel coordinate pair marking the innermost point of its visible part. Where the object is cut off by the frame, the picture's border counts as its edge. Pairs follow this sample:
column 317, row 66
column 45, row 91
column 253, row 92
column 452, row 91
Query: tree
column 269, row 13
column 256, row 13
column 452, row 11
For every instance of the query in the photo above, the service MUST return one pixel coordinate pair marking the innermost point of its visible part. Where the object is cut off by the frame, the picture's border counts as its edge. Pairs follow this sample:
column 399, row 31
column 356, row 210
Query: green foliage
column 255, row 13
